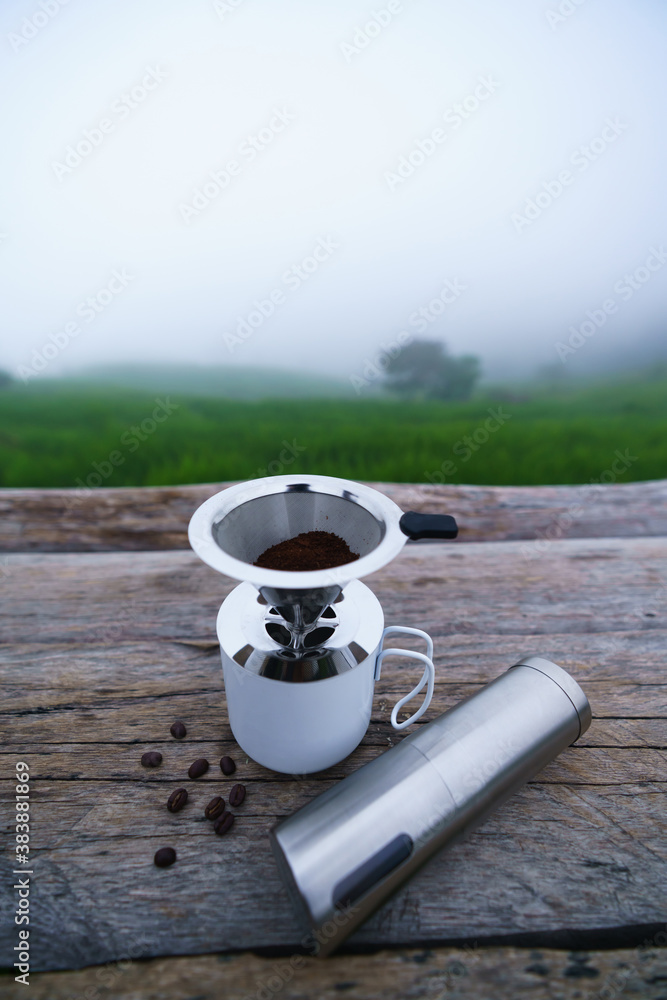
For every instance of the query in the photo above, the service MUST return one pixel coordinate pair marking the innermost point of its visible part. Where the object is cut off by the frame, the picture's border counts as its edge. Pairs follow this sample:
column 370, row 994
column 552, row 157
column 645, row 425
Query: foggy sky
column 489, row 174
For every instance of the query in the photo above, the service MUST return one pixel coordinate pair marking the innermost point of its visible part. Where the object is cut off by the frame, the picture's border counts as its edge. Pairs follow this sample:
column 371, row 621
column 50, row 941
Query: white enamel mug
column 305, row 723
column 301, row 650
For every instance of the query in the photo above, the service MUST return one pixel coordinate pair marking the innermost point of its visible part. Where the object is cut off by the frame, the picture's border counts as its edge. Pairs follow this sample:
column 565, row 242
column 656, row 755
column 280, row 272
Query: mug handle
column 428, row 676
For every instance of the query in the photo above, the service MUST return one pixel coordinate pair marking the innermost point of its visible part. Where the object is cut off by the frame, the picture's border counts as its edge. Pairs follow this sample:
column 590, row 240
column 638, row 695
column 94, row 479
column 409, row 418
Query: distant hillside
column 229, row 382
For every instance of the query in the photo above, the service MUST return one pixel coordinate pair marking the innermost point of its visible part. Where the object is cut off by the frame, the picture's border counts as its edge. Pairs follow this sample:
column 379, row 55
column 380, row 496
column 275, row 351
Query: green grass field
column 63, row 434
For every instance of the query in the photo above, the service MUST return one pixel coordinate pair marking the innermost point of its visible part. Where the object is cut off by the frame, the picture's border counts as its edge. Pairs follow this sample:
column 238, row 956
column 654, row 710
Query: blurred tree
column 5, row 379
column 425, row 368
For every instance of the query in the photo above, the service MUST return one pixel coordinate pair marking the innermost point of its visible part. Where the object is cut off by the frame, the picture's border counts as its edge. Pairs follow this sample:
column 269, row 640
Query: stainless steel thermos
column 343, row 854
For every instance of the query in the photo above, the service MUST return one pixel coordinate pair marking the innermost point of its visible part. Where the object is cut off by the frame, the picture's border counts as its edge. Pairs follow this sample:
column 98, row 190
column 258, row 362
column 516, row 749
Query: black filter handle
column 417, row 526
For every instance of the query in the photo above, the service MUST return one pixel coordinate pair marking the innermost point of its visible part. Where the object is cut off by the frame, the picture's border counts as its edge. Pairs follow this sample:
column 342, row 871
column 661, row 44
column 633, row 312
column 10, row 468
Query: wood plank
column 579, row 586
column 113, row 628
column 112, row 761
column 82, row 787
column 455, row 973
column 144, row 721
column 555, row 858
column 635, row 733
column 105, row 650
column 102, row 520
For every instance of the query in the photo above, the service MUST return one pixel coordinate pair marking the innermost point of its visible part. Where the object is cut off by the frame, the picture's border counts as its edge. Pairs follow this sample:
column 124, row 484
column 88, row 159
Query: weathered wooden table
column 108, row 636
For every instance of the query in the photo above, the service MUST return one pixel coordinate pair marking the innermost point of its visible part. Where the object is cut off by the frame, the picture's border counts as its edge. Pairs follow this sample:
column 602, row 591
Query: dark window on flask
column 363, row 878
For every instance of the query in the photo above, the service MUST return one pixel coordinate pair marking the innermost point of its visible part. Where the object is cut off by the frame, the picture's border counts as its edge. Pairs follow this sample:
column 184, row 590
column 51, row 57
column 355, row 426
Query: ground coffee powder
column 308, row 551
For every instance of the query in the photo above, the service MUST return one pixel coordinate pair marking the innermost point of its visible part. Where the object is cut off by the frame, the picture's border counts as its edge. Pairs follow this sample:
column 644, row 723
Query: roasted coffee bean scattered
column 177, row 800
column 165, row 857
column 178, row 730
column 227, row 765
column 308, row 551
column 215, row 808
column 153, row 758
column 224, row 823
column 198, row 767
column 237, row 795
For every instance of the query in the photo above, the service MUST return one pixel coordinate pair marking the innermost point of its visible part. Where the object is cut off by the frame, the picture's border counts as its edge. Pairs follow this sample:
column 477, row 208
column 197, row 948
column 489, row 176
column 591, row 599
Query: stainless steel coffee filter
column 231, row 529
column 250, row 529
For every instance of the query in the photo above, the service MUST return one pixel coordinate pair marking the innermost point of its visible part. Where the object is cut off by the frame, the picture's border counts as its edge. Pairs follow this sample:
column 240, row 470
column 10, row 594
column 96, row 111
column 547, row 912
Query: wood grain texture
column 433, row 974
column 106, row 520
column 102, row 651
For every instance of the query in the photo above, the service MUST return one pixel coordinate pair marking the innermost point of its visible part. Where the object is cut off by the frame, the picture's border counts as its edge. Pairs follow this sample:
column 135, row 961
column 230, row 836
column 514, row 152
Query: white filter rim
column 212, row 511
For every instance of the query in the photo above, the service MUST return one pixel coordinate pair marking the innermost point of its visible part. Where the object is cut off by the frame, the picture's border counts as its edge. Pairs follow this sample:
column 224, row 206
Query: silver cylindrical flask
column 343, row 854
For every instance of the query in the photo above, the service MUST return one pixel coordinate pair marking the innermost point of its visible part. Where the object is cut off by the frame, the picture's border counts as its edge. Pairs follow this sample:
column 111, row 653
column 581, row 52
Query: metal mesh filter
column 233, row 528
column 256, row 525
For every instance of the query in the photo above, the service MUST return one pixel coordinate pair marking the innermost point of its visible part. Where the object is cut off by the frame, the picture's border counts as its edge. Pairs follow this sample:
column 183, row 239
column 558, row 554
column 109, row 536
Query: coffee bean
column 165, row 857
column 237, row 795
column 215, row 808
column 177, row 800
column 224, row 823
column 227, row 765
column 198, row 767
column 151, row 759
column 178, row 730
